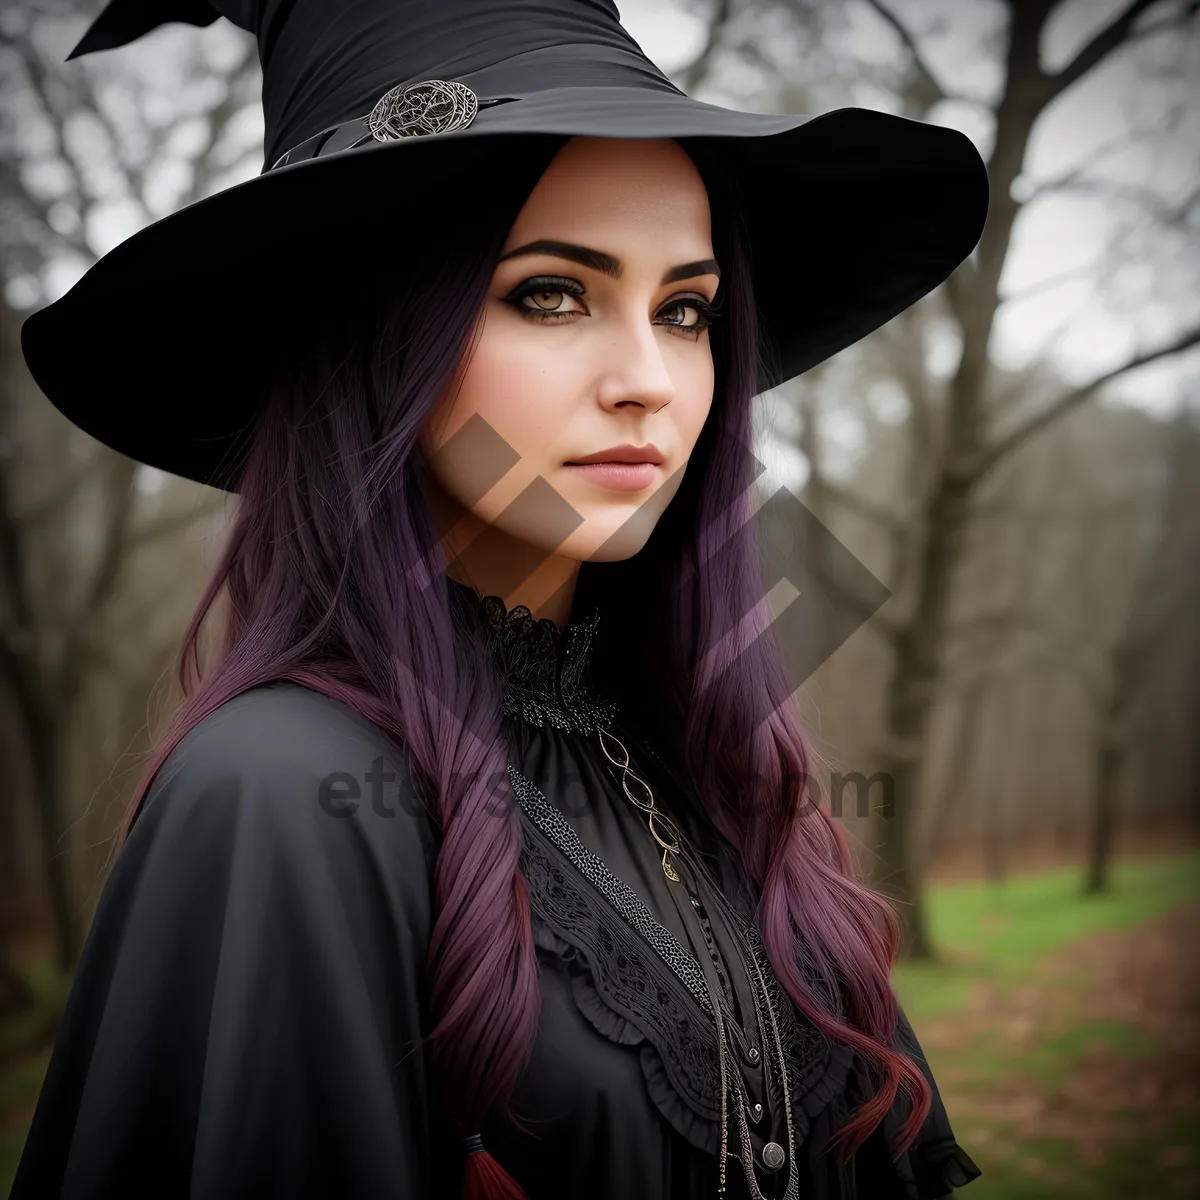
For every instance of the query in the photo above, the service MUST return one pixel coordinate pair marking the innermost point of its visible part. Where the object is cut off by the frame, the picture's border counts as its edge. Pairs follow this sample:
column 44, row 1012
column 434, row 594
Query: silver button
column 756, row 1112
column 695, row 904
column 773, row 1156
column 752, row 1054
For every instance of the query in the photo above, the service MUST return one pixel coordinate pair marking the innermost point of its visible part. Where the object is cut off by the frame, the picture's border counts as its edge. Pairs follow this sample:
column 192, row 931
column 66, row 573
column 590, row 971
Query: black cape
column 249, row 1013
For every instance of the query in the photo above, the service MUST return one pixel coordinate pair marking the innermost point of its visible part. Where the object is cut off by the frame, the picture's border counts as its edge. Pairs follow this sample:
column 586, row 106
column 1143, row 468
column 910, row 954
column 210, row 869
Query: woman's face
column 593, row 336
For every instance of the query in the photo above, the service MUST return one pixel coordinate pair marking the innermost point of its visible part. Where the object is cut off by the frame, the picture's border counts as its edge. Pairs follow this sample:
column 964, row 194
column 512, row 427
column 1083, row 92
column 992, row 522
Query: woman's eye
column 553, row 299
column 545, row 298
column 701, row 312
column 548, row 301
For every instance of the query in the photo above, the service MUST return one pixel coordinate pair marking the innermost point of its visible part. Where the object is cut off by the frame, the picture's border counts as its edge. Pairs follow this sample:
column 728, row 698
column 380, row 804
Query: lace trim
column 634, row 982
column 625, row 991
column 546, row 677
column 622, row 898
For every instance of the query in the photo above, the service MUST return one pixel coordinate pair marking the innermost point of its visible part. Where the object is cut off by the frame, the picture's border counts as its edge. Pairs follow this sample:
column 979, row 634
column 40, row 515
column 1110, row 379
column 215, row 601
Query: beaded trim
column 623, row 899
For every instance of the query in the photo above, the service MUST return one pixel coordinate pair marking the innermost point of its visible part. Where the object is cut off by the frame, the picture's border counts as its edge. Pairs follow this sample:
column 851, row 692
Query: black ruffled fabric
column 545, row 672
column 628, row 996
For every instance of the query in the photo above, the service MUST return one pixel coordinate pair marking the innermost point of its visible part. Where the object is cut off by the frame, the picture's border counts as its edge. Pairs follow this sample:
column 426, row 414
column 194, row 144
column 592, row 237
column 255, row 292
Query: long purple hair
column 331, row 578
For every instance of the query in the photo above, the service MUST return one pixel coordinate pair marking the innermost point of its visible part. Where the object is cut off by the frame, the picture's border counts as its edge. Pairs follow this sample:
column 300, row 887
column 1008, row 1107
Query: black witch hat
column 160, row 350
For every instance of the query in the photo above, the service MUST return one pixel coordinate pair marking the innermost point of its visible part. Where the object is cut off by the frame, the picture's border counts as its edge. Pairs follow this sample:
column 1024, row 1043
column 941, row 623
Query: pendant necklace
column 731, row 1086
column 662, row 829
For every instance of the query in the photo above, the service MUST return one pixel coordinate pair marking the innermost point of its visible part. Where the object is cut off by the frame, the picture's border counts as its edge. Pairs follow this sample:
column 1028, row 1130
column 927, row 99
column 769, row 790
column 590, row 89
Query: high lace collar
column 545, row 671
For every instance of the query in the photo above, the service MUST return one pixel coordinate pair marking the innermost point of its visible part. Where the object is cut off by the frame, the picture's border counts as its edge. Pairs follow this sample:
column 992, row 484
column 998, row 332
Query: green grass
column 1141, row 1162
column 20, row 1083
column 1048, row 1168
column 22, row 1069
column 12, row 1142
column 1048, row 1061
column 999, row 932
column 999, row 935
column 50, row 990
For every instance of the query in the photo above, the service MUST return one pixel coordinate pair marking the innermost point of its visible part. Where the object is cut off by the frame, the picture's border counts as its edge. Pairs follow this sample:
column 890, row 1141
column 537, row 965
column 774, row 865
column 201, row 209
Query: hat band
column 408, row 110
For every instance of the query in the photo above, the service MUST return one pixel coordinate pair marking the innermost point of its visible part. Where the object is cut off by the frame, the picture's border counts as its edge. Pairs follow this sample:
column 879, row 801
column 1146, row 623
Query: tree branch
column 36, row 209
column 930, row 89
column 218, row 121
column 1157, row 205
column 996, row 624
column 1113, row 35
column 866, row 608
column 119, row 495
column 1116, row 507
column 1047, row 285
column 989, row 457
column 1104, row 267
column 17, row 643
column 39, row 85
column 120, row 498
column 858, row 504
column 133, row 177
column 1127, row 139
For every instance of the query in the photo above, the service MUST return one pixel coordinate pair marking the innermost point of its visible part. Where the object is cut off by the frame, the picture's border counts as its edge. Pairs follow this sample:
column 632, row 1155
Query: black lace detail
column 545, row 673
column 630, row 978
column 639, row 995
column 811, row 1056
column 621, row 898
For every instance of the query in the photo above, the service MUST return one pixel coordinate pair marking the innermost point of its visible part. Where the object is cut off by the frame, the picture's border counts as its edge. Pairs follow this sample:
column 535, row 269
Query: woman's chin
column 607, row 540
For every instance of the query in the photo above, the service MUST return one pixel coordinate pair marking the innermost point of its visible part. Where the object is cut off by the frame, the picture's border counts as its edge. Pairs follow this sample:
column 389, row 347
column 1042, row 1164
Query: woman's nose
column 639, row 372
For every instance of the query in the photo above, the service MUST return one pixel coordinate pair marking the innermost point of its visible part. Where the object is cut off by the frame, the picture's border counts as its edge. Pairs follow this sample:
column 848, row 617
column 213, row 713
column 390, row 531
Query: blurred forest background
column 1017, row 458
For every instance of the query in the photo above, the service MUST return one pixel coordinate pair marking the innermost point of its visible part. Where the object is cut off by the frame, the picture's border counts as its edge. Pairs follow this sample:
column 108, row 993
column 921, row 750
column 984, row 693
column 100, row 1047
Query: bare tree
column 974, row 446
column 1166, row 601
column 966, row 426
column 85, row 532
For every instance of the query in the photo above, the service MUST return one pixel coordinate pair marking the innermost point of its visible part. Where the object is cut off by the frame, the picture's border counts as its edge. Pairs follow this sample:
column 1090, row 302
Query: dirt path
column 1103, row 1046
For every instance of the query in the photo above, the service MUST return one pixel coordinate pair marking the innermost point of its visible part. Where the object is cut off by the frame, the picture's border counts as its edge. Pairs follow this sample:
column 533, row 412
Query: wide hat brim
column 159, row 351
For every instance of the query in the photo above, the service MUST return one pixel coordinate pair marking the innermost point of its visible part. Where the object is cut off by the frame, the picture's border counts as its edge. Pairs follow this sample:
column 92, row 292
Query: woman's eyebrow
column 607, row 264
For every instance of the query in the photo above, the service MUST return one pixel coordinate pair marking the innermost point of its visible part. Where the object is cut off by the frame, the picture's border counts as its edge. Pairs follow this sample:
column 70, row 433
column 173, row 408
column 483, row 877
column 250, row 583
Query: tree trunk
column 1104, row 809
column 911, row 692
column 937, row 808
column 898, row 864
column 995, row 844
column 15, row 992
column 53, row 809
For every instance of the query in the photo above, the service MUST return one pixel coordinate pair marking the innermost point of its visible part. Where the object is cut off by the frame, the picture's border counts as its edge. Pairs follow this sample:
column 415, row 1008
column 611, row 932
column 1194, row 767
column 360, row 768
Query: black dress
column 249, row 1013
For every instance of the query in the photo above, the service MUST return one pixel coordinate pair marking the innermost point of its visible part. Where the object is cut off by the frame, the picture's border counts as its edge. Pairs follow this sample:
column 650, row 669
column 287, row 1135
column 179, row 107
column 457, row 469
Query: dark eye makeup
column 557, row 285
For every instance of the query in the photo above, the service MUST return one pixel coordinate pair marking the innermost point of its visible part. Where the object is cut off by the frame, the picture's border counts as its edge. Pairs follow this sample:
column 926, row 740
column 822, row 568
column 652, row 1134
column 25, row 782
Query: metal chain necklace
column 643, row 798
column 732, row 1086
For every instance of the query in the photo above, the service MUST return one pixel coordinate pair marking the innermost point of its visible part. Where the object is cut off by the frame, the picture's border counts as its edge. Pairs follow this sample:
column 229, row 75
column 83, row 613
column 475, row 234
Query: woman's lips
column 622, row 477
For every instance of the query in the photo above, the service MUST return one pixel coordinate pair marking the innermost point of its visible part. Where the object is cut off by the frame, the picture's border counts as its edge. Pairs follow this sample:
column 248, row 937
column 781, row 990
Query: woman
column 476, row 859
